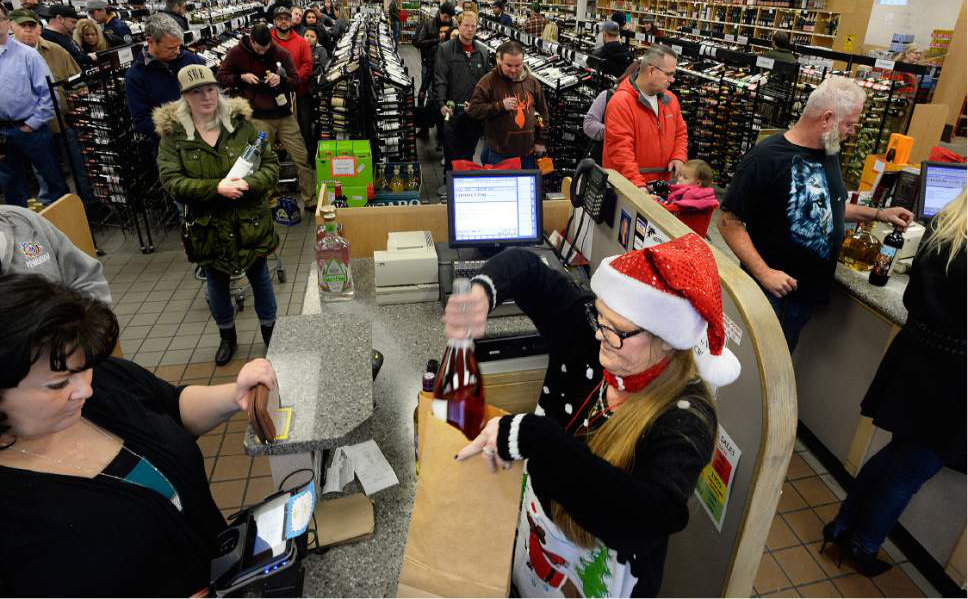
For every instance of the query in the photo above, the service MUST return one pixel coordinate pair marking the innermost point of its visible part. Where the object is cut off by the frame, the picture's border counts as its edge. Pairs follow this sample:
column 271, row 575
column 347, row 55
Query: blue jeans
column 220, row 300
column 77, row 165
column 793, row 315
column 395, row 29
column 883, row 488
column 36, row 149
column 489, row 156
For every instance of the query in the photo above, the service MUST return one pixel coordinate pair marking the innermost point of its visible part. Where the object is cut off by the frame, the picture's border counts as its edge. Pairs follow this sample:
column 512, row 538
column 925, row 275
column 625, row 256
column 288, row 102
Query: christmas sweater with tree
column 632, row 513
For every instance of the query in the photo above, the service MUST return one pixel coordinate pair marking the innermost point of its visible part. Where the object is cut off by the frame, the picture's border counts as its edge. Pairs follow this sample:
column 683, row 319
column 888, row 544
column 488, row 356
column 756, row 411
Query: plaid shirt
column 535, row 25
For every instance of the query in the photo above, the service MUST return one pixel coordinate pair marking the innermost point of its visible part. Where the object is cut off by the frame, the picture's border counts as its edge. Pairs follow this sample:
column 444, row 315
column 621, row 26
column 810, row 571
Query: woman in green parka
column 229, row 221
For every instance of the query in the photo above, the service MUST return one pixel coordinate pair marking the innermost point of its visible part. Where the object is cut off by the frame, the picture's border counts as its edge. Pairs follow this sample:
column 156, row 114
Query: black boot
column 267, row 333
column 227, row 347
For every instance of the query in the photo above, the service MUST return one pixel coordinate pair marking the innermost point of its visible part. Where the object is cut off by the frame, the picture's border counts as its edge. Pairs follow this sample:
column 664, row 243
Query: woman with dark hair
column 594, row 123
column 103, row 487
column 330, row 10
column 625, row 421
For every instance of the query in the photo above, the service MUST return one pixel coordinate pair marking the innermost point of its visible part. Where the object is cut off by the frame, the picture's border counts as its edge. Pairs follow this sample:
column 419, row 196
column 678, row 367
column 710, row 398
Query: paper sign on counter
column 372, row 468
column 716, row 479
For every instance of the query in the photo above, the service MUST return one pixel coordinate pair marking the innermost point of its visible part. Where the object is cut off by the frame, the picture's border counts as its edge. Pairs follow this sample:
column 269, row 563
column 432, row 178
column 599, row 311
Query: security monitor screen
column 495, row 209
column 941, row 185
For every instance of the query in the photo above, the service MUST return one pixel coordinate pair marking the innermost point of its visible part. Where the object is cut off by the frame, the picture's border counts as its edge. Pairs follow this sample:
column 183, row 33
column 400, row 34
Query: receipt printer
column 407, row 271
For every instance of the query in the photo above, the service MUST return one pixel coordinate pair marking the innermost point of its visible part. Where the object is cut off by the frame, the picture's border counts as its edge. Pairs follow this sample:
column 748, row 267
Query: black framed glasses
column 613, row 337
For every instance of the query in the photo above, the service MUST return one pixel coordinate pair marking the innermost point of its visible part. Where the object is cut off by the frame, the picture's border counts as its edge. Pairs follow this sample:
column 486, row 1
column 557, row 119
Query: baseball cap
column 281, row 10
column 447, row 8
column 96, row 5
column 195, row 75
column 610, row 27
column 63, row 10
column 23, row 15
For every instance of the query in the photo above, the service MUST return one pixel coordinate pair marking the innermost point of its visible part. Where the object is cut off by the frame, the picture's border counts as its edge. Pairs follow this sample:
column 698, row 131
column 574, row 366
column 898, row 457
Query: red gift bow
column 511, row 164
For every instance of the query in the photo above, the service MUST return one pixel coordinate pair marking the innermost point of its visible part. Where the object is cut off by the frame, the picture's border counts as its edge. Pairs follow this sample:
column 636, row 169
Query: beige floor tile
column 799, row 565
column 231, row 467
column 824, row 588
column 260, row 466
column 230, row 369
column 209, row 464
column 221, row 380
column 856, row 585
column 805, row 524
column 770, row 577
column 163, row 330
column 170, row 317
column 259, row 489
column 209, row 444
column 780, row 535
column 233, row 444
column 184, row 342
column 228, row 494
column 799, row 468
column 154, row 305
column 188, row 381
column 148, row 359
column 218, row 430
column 895, row 583
column 197, row 316
column 790, row 499
column 155, row 344
column 179, row 357
column 814, row 491
column 237, row 426
column 828, row 512
column 791, row 592
column 170, row 373
column 204, row 369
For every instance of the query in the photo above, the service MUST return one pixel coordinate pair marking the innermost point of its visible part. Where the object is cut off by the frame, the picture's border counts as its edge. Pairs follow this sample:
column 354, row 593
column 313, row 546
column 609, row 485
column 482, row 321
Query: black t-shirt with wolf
column 792, row 200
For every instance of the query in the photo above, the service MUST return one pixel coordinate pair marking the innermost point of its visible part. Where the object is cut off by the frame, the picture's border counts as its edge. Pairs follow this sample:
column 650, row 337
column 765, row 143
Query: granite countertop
column 408, row 335
column 887, row 300
column 323, row 367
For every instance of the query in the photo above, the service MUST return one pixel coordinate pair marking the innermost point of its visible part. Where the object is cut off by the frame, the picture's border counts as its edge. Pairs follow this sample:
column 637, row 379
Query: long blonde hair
column 949, row 228
column 616, row 440
column 81, row 27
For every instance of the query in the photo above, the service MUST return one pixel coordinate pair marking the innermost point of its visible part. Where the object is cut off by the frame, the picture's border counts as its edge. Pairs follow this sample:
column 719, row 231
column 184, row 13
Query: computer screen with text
column 495, row 208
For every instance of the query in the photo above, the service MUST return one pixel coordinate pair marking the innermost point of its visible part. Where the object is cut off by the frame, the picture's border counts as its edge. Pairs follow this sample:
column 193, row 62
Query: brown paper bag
column 464, row 517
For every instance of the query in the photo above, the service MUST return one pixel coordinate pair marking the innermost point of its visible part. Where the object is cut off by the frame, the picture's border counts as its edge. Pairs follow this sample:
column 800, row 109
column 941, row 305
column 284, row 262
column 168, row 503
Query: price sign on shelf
column 640, row 37
column 677, row 49
column 695, row 31
column 729, row 37
column 764, row 62
column 742, row 39
column 125, row 56
column 883, row 63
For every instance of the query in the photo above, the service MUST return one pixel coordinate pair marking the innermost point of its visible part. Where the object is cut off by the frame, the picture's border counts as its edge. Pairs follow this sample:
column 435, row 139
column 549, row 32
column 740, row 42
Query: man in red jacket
column 302, row 57
column 645, row 136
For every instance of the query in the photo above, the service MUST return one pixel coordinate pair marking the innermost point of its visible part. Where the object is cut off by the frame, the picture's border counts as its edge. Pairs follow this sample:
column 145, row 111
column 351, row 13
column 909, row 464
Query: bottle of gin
column 396, row 183
column 333, row 260
column 248, row 160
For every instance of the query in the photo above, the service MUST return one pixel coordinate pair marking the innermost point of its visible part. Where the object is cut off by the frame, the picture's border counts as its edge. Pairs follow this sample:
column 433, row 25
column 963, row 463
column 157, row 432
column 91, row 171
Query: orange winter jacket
column 636, row 138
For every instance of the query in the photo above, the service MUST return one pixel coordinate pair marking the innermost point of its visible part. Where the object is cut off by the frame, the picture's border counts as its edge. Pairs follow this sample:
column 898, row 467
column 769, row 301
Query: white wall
column 918, row 17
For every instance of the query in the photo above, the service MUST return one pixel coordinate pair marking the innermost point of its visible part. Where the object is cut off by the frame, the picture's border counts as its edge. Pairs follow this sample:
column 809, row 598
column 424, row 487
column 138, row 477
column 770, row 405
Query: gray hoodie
column 29, row 243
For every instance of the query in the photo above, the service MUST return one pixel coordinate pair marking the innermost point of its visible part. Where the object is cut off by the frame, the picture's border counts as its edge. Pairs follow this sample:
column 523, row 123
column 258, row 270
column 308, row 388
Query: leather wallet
column 259, row 417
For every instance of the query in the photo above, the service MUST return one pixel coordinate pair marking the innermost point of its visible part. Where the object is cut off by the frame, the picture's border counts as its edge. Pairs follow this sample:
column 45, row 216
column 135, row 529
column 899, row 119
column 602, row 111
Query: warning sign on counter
column 716, row 479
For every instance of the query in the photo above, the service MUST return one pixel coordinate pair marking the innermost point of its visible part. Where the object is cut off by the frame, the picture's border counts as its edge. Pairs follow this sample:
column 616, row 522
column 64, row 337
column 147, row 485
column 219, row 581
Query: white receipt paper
column 269, row 521
column 366, row 462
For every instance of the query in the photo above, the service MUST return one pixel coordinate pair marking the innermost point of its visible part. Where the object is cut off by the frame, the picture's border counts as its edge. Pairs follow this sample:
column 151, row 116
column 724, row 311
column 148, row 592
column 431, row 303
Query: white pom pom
column 538, row 410
column 589, row 373
column 564, row 368
column 682, row 404
column 568, row 408
column 545, row 390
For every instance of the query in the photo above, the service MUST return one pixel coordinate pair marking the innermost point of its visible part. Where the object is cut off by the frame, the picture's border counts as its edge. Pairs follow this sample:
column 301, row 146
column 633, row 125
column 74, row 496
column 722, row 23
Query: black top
column 180, row 19
column 615, row 58
column 792, row 200
column 71, row 536
column 455, row 73
column 67, row 43
column 647, row 504
column 919, row 390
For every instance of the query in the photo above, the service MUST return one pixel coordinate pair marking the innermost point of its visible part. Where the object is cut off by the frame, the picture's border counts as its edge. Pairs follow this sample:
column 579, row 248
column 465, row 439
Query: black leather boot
column 227, row 347
column 267, row 333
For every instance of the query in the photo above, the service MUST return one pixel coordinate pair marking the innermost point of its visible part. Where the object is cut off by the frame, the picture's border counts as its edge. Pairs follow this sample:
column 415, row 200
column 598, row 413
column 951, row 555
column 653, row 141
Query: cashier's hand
column 776, row 282
column 256, row 372
column 486, row 445
column 466, row 314
column 897, row 216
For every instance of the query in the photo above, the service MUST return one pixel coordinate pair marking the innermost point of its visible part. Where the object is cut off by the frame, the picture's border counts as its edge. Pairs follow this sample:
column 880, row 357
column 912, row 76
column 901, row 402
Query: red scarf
column 636, row 382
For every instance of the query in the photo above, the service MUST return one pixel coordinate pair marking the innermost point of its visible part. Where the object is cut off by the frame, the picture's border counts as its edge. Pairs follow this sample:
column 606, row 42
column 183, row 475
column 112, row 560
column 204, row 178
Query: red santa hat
column 672, row 290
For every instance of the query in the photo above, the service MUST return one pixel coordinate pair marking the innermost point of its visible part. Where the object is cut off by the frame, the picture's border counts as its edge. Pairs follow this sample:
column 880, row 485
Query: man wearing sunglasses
column 645, row 136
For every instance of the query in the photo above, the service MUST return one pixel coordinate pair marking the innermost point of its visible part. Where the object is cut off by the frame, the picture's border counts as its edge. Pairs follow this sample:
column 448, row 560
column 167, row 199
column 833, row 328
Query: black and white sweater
column 633, row 513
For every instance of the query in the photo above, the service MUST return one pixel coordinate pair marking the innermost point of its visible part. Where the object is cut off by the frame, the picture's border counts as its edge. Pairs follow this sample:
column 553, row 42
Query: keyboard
column 466, row 269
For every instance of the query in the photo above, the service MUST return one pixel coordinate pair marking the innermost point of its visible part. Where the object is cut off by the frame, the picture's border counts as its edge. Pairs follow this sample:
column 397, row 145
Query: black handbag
column 186, row 237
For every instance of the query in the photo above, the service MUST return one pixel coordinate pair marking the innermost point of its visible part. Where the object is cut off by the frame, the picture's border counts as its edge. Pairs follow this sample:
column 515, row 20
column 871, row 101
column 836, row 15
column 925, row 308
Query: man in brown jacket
column 512, row 105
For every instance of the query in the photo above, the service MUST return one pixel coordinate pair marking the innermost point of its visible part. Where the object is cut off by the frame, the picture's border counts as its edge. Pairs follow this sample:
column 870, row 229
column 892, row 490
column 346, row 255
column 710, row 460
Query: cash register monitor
column 941, row 182
column 489, row 210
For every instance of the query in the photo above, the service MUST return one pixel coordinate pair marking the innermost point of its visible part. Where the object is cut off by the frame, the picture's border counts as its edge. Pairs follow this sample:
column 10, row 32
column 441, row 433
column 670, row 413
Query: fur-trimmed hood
column 171, row 117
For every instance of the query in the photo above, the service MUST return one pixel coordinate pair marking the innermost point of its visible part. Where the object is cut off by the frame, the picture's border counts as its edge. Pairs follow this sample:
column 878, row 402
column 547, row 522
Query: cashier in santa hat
column 626, row 419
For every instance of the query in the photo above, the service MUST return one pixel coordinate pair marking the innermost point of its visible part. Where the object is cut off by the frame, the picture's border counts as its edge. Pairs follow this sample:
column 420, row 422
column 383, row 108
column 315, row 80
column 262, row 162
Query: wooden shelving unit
column 813, row 25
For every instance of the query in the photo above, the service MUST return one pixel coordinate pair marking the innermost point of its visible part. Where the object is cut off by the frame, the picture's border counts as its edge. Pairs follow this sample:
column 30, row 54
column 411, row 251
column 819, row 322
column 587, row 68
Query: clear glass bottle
column 413, row 180
column 458, row 389
column 380, row 183
column 396, row 183
column 860, row 249
column 333, row 260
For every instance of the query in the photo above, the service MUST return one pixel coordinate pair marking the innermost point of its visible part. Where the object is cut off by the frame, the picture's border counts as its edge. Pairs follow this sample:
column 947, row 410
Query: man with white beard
column 785, row 208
